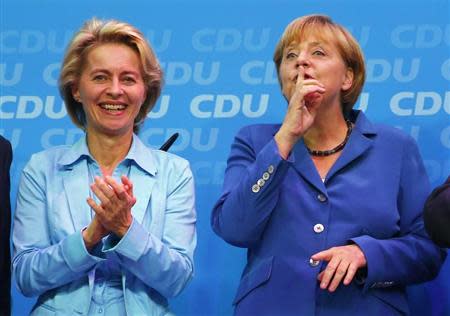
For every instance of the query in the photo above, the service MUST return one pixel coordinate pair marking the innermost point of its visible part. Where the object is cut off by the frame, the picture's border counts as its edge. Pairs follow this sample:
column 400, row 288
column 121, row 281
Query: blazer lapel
column 76, row 185
column 143, row 182
column 143, row 172
column 358, row 143
column 305, row 166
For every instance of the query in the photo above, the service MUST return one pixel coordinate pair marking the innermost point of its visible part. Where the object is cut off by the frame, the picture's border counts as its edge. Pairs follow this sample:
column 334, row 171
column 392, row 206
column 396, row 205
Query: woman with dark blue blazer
column 327, row 204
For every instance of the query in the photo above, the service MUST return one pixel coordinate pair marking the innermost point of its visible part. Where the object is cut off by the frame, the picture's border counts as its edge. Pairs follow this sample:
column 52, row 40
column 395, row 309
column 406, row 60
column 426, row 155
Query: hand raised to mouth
column 301, row 112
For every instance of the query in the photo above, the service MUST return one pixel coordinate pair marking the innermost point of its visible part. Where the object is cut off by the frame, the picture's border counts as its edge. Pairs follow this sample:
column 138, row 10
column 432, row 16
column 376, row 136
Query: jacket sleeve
column 164, row 264
column 250, row 190
column 39, row 264
column 5, row 226
column 411, row 257
column 437, row 215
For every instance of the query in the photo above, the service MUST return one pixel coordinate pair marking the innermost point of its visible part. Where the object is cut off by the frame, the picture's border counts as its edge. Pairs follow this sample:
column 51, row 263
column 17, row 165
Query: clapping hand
column 113, row 213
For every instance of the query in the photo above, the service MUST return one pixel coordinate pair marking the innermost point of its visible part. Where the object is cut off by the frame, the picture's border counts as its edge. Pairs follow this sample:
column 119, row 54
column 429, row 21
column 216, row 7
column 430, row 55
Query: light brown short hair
column 96, row 32
column 323, row 27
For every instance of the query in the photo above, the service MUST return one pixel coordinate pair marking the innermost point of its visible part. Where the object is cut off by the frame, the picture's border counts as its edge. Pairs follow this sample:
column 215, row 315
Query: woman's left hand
column 116, row 201
column 343, row 263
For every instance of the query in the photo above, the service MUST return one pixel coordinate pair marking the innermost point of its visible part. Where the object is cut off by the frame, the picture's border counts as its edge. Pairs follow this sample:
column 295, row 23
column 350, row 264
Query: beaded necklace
column 324, row 153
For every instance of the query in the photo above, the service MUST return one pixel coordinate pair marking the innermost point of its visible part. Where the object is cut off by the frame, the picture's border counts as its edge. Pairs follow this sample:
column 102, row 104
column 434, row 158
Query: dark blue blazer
column 5, row 226
column 282, row 212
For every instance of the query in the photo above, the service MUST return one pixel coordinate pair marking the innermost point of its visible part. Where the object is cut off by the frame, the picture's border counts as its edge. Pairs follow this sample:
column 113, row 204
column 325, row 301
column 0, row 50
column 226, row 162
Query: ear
column 348, row 80
column 76, row 92
column 146, row 94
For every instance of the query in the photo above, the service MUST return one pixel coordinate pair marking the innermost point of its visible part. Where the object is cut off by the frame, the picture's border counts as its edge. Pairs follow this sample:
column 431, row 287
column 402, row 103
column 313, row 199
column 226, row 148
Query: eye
column 318, row 52
column 99, row 77
column 129, row 80
column 291, row 55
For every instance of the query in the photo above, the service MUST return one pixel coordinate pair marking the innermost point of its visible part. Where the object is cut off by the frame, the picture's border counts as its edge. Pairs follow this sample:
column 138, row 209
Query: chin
column 313, row 105
column 116, row 130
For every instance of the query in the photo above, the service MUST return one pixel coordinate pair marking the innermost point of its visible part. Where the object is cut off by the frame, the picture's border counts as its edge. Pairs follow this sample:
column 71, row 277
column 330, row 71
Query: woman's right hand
column 301, row 112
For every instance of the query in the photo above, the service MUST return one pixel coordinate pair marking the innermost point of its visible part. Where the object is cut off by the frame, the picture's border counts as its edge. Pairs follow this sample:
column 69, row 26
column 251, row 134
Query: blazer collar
column 138, row 153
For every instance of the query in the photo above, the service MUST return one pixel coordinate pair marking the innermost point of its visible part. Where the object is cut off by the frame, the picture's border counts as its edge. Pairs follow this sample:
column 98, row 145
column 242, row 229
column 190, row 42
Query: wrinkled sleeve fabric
column 164, row 264
column 242, row 212
column 39, row 264
column 411, row 257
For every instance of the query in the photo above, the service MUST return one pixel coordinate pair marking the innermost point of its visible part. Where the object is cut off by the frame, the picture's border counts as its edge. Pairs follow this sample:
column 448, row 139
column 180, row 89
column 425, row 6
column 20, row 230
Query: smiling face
column 321, row 61
column 111, row 89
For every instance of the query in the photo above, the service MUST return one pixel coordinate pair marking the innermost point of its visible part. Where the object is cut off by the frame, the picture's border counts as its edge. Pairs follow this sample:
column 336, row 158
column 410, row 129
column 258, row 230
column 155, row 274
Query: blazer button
column 318, row 228
column 271, row 169
column 266, row 176
column 261, row 182
column 321, row 197
column 313, row 263
column 255, row 188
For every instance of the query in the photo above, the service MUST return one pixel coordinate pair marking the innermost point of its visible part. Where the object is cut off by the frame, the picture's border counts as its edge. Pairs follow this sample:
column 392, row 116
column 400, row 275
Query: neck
column 329, row 129
column 108, row 150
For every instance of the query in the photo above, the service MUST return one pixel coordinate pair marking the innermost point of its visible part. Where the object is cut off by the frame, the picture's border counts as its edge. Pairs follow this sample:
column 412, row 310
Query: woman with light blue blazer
column 327, row 204
column 106, row 226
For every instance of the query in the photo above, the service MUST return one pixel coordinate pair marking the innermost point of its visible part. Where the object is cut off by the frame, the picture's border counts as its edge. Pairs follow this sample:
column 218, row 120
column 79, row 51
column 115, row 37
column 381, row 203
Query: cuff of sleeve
column 360, row 276
column 131, row 245
column 272, row 146
column 366, row 244
column 269, row 159
column 268, row 170
column 76, row 255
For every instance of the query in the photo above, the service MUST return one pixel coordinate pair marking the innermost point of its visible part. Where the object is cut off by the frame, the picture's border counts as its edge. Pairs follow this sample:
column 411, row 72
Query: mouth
column 305, row 77
column 110, row 107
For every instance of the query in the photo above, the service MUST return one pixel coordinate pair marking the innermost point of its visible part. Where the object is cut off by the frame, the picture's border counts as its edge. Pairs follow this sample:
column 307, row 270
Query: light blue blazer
column 156, row 255
column 283, row 213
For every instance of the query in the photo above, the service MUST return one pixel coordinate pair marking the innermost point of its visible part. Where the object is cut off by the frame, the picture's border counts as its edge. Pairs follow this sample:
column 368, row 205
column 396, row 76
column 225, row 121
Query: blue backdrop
column 217, row 58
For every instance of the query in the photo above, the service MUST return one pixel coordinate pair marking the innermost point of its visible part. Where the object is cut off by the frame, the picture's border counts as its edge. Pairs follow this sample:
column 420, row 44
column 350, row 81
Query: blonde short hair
column 323, row 27
column 96, row 32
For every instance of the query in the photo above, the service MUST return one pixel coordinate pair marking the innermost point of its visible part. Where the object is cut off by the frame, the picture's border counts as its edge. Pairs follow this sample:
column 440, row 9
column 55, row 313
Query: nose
column 115, row 88
column 302, row 60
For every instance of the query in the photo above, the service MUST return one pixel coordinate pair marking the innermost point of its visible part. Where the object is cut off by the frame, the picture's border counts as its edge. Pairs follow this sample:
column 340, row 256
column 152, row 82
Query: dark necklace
column 323, row 153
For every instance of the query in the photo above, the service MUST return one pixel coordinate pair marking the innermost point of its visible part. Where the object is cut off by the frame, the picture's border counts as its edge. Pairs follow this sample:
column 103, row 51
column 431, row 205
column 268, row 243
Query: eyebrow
column 126, row 72
column 316, row 44
column 311, row 44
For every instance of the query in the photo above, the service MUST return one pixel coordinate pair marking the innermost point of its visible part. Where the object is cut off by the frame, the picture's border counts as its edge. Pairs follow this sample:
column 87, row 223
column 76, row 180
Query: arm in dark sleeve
column 437, row 215
column 5, row 226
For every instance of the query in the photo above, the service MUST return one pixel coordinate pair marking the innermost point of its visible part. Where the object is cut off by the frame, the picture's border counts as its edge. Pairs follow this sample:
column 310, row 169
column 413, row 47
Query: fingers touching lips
column 301, row 74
